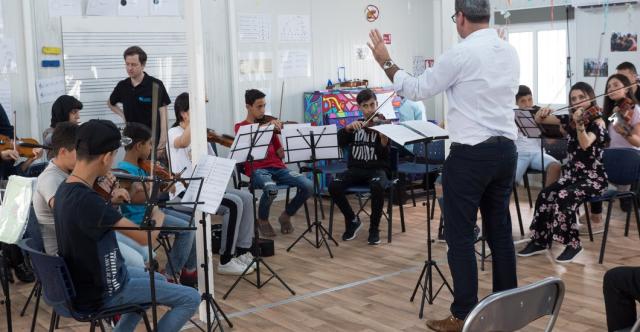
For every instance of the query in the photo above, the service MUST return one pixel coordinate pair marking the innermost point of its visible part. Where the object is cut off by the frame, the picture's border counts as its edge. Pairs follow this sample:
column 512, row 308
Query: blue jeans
column 183, row 252
column 533, row 160
column 479, row 176
column 268, row 180
column 182, row 300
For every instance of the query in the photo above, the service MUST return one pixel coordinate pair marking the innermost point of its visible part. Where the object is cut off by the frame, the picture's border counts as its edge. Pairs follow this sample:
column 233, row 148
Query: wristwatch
column 388, row 64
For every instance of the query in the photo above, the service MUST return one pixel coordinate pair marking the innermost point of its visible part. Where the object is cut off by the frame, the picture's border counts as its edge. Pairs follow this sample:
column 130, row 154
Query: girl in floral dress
column 582, row 177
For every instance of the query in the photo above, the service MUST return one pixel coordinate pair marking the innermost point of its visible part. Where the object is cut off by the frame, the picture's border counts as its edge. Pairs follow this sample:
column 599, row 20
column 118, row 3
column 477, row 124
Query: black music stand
column 4, row 281
column 412, row 132
column 148, row 225
column 304, row 147
column 251, row 144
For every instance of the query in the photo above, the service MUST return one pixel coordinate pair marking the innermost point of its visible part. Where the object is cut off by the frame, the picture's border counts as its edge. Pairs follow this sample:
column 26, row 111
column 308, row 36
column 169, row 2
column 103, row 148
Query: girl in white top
column 236, row 206
column 623, row 134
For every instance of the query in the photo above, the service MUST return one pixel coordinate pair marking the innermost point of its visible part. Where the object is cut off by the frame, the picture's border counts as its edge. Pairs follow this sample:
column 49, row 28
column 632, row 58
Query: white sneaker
column 234, row 267
column 246, row 259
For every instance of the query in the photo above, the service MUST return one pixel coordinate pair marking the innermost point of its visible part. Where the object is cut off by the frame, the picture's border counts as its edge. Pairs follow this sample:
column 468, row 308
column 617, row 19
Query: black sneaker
column 24, row 273
column 352, row 230
column 374, row 237
column 569, row 254
column 531, row 249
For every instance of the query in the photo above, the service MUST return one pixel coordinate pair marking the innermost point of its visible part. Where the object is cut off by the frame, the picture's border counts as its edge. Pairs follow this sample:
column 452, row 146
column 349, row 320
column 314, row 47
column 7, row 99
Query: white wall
column 336, row 27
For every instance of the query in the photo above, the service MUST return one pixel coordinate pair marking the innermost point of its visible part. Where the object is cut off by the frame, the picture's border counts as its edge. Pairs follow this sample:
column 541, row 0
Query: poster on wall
column 65, row 8
column 624, row 42
column 294, row 63
column 362, row 52
column 294, row 28
column 255, row 66
column 254, row 28
column 8, row 56
column 596, row 67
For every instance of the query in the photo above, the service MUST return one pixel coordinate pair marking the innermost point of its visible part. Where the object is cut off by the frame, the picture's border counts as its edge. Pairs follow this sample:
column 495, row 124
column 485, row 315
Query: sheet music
column 241, row 144
column 426, row 128
column 14, row 212
column 102, row 8
column 386, row 109
column 296, row 139
column 398, row 133
column 294, row 28
column 216, row 172
column 254, row 28
column 49, row 89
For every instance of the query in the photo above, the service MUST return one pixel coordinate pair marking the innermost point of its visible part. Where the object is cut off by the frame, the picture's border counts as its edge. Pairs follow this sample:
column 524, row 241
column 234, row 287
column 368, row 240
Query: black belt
column 492, row 139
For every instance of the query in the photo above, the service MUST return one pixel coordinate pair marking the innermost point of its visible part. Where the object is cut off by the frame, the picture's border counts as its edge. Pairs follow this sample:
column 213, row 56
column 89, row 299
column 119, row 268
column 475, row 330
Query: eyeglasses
column 453, row 17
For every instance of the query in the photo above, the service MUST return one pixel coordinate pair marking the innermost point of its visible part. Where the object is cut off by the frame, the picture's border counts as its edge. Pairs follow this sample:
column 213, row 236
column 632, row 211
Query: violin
column 268, row 118
column 105, row 185
column 623, row 112
column 376, row 120
column 590, row 114
column 24, row 146
column 159, row 171
column 224, row 139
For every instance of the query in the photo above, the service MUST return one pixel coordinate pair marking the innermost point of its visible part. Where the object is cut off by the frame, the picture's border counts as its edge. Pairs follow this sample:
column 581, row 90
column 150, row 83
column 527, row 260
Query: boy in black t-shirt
column 87, row 242
column 368, row 164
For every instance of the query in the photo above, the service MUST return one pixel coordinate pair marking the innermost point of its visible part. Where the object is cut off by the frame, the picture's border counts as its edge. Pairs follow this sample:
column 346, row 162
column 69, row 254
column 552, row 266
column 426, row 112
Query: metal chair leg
column 606, row 231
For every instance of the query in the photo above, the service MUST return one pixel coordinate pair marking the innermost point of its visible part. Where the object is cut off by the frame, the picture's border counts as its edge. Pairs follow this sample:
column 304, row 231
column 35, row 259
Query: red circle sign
column 372, row 13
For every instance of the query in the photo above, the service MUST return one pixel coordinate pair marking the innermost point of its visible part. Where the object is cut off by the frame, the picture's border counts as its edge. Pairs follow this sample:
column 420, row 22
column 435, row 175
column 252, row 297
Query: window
column 543, row 61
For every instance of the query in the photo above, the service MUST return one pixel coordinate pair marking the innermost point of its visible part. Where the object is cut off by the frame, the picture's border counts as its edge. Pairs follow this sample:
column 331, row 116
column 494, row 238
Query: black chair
column 58, row 291
column 623, row 168
column 361, row 191
column 426, row 167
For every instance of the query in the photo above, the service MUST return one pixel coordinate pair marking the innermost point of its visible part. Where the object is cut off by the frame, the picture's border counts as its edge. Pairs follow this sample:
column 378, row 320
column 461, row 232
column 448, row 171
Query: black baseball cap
column 96, row 137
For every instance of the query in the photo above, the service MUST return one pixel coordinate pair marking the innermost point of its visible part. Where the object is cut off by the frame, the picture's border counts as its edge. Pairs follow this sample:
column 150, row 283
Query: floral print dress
column 582, row 177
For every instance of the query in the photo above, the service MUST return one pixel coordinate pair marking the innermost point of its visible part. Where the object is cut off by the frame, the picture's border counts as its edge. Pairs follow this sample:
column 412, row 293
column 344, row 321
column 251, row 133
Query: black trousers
column 621, row 287
column 376, row 179
column 478, row 176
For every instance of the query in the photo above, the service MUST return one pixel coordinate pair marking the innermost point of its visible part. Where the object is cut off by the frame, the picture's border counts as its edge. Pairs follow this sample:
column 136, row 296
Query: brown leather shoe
column 449, row 324
column 265, row 228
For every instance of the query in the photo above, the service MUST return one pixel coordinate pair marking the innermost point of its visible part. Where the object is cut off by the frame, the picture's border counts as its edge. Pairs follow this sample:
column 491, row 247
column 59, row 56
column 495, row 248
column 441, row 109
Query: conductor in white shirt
column 480, row 77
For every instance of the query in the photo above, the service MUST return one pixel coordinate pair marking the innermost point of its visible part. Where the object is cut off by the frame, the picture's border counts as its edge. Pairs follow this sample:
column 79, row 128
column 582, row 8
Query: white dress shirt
column 480, row 76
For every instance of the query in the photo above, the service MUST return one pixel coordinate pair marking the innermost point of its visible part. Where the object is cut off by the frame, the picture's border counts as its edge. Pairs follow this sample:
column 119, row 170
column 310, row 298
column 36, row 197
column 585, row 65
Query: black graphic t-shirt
column 83, row 222
column 136, row 101
column 366, row 150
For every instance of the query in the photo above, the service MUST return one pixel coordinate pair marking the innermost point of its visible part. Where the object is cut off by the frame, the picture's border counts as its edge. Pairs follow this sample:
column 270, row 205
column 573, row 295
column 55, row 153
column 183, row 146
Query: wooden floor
column 367, row 288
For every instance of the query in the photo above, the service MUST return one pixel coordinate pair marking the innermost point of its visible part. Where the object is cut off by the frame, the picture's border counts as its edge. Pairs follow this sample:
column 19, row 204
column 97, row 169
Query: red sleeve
column 275, row 140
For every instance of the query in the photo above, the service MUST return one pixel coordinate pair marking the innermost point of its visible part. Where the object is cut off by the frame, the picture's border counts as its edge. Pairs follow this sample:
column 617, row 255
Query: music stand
column 148, row 225
column 14, row 216
column 251, row 144
column 310, row 144
column 411, row 132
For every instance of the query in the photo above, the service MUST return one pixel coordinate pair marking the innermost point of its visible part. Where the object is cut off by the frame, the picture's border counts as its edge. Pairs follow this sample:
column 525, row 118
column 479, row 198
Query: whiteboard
column 93, row 60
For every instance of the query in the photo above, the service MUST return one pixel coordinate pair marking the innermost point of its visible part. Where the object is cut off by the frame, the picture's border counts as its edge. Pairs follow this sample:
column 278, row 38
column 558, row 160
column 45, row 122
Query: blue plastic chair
column 422, row 166
column 623, row 168
column 59, row 291
column 361, row 191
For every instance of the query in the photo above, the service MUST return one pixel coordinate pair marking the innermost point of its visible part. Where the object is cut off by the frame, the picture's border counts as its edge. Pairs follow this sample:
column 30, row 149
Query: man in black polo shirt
column 134, row 93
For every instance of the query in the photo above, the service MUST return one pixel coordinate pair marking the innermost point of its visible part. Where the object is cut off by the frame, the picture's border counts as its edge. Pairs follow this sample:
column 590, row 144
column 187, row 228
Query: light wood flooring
column 367, row 288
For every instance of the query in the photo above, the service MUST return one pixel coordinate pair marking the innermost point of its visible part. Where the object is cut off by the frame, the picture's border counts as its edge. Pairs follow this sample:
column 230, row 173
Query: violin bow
column 281, row 100
column 15, row 148
column 596, row 97
column 379, row 107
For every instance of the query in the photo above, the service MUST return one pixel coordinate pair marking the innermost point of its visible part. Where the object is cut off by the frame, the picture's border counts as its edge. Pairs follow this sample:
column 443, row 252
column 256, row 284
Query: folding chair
column 623, row 168
column 361, row 191
column 514, row 309
column 59, row 292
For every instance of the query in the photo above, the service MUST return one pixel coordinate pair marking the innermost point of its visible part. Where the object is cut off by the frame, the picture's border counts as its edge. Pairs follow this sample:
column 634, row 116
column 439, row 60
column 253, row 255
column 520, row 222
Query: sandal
column 265, row 228
column 285, row 223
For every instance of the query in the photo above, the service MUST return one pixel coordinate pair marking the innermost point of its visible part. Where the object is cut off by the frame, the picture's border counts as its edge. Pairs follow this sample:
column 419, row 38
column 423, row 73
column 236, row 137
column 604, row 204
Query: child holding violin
column 182, row 258
column 368, row 164
column 236, row 207
column 582, row 176
column 270, row 172
column 622, row 115
column 65, row 109
column 84, row 224
column 63, row 145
